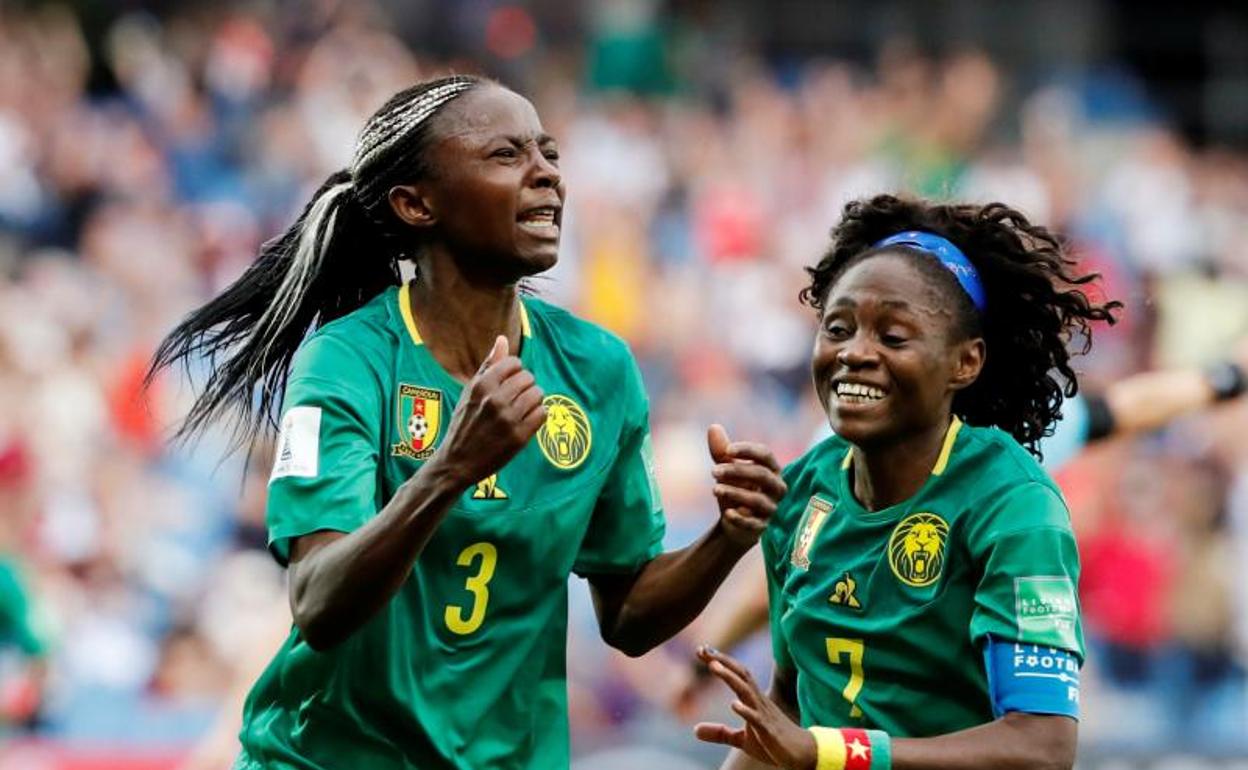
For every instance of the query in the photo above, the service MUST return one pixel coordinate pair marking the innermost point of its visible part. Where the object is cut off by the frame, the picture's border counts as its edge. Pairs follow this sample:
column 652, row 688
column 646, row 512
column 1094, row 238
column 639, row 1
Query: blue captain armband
column 1031, row 678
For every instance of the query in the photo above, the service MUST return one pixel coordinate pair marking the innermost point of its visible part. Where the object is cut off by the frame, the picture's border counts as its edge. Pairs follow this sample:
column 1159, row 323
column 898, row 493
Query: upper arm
column 328, row 451
column 1029, row 572
column 1026, row 617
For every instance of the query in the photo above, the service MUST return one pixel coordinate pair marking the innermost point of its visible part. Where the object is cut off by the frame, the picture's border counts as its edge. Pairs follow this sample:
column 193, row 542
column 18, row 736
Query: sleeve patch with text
column 298, row 443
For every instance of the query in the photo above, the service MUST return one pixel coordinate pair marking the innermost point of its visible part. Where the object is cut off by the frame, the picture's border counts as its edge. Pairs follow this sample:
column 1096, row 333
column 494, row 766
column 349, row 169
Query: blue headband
column 949, row 255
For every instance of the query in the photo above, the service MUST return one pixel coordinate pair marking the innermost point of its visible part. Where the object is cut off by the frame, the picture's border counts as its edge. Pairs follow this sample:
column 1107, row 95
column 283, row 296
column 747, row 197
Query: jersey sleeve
column 326, row 464
column 1028, row 592
column 774, row 546
column 17, row 624
column 627, row 527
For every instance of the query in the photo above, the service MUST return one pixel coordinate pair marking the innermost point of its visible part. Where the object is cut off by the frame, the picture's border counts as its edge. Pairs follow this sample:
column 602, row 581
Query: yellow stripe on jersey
column 525, row 329
column 405, row 310
column 951, row 436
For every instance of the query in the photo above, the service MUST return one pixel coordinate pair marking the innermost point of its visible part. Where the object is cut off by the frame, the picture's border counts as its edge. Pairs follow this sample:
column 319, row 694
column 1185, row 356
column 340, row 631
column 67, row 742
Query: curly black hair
column 1037, row 311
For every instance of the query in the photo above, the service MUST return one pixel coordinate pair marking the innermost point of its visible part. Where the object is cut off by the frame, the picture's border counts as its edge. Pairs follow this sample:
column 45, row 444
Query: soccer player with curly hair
column 922, row 570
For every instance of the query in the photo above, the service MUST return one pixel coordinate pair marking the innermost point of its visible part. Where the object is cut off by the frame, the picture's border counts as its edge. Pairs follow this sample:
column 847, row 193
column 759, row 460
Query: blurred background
column 147, row 148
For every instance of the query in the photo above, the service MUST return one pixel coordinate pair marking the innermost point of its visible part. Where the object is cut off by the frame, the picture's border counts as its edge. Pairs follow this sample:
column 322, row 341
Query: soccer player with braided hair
column 922, row 571
column 449, row 452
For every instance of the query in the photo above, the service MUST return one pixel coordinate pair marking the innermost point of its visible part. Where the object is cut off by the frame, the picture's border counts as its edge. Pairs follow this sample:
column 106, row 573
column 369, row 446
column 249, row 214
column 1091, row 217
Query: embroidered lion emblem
column 565, row 438
column 916, row 549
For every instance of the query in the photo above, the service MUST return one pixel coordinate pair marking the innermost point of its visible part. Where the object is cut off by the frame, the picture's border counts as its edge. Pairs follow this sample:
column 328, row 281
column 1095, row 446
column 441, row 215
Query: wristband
column 852, row 748
column 1227, row 379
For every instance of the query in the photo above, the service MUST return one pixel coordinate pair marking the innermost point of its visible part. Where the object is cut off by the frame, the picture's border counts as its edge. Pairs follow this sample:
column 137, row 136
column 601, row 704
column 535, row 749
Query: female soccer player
column 922, row 569
column 431, row 490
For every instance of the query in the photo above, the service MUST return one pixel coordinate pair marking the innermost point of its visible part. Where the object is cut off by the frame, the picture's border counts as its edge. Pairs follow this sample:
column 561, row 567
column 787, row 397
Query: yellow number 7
column 854, row 649
column 454, row 614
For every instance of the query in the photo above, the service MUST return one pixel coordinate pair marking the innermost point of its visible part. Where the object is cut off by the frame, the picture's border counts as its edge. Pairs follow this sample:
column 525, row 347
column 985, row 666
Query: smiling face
column 495, row 195
column 888, row 357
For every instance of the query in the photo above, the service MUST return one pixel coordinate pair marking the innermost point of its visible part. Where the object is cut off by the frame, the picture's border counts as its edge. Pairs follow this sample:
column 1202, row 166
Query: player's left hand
column 748, row 486
column 769, row 735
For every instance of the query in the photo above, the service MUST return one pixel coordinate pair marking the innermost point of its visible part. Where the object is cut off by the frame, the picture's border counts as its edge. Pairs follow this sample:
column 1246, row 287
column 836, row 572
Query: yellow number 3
column 455, row 619
column 854, row 649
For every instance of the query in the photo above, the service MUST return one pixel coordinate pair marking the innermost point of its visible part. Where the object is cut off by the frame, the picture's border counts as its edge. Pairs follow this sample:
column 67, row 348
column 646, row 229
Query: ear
column 969, row 362
column 411, row 205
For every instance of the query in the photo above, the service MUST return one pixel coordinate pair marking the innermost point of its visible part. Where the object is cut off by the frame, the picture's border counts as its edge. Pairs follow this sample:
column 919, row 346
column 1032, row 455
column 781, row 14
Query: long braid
column 341, row 251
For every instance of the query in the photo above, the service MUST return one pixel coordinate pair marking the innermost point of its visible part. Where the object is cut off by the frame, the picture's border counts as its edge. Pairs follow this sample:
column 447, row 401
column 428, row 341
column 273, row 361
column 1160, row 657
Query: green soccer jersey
column 465, row 666
column 883, row 615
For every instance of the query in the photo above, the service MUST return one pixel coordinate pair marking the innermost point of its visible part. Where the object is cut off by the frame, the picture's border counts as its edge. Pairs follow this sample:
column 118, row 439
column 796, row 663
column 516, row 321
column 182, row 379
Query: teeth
column 858, row 393
column 539, row 217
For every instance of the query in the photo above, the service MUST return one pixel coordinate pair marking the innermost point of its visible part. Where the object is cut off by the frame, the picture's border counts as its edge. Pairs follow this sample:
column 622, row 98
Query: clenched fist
column 498, row 412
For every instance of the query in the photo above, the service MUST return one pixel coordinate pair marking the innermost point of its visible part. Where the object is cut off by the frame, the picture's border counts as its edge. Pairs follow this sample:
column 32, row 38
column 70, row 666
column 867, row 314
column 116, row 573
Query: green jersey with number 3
column 883, row 615
column 465, row 666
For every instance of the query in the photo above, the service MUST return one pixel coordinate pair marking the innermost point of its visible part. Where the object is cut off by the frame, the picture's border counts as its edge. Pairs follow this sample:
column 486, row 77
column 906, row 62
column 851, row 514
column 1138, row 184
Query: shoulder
column 808, row 476
column 580, row 341
column 993, row 456
column 821, row 461
column 1007, row 485
column 352, row 351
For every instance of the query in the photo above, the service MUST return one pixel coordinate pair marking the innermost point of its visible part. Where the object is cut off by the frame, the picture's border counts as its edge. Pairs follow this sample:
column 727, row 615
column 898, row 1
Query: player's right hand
column 498, row 412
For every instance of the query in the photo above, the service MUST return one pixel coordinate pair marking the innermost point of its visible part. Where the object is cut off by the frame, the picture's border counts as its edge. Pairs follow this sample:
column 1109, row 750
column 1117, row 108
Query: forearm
column 743, row 620
column 343, row 583
column 670, row 591
column 739, row 760
column 1148, row 401
column 1014, row 742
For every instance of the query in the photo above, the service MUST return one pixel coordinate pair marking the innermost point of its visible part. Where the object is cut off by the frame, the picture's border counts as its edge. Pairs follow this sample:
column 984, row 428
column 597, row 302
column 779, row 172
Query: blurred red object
column 131, row 408
column 16, row 465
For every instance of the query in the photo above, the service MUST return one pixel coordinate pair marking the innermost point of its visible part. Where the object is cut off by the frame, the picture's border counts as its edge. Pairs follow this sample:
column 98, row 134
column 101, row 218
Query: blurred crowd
column 142, row 162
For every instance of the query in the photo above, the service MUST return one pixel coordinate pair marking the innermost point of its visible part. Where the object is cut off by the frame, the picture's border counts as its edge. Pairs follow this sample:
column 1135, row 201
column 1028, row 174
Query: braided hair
column 1037, row 310
column 341, row 252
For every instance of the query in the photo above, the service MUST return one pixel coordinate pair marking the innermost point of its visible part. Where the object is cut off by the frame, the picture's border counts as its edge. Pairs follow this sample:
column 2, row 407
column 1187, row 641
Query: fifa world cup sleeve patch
column 298, row 443
column 1031, row 679
column 1047, row 611
column 652, row 479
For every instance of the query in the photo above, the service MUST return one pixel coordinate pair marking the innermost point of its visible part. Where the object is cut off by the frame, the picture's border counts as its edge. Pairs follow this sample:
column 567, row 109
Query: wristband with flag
column 851, row 748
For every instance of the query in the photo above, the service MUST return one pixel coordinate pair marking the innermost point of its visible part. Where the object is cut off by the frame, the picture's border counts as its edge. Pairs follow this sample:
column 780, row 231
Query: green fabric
column 17, row 624
column 912, row 618
column 465, row 667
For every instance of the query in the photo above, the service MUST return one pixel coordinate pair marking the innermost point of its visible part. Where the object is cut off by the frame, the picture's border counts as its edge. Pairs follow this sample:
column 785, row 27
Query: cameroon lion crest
column 916, row 550
column 566, row 437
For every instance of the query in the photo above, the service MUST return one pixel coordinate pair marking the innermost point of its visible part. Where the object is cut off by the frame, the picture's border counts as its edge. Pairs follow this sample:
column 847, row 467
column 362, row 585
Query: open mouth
column 542, row 221
column 858, row 393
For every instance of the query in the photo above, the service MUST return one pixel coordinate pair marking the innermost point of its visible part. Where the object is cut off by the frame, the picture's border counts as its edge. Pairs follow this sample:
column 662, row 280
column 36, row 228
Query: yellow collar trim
column 405, row 310
column 951, row 436
column 946, row 450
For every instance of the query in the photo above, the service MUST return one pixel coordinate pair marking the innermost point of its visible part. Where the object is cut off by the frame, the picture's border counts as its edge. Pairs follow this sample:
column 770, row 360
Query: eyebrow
column 520, row 141
column 894, row 304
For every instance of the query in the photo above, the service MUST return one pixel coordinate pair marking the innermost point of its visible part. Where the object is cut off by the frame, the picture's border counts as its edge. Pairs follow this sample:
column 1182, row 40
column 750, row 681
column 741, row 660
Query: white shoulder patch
column 298, row 443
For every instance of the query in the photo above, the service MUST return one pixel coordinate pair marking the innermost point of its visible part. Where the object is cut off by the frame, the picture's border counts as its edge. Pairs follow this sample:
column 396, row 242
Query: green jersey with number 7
column 467, row 662
column 882, row 614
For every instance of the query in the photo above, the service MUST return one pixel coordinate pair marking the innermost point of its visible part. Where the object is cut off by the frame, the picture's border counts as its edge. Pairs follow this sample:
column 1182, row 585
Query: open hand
column 769, row 735
column 748, row 485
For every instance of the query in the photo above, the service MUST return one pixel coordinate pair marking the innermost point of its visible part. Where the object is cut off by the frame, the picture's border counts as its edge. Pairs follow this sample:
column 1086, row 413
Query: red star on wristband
column 857, row 749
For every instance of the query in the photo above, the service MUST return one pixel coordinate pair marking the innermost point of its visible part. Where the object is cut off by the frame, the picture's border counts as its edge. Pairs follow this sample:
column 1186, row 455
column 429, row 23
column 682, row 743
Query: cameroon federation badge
column 566, row 436
column 916, row 549
column 419, row 419
column 817, row 511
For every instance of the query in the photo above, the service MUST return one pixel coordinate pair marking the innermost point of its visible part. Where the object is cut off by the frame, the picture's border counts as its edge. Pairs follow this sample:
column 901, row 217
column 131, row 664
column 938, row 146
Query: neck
column 887, row 474
column 458, row 318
